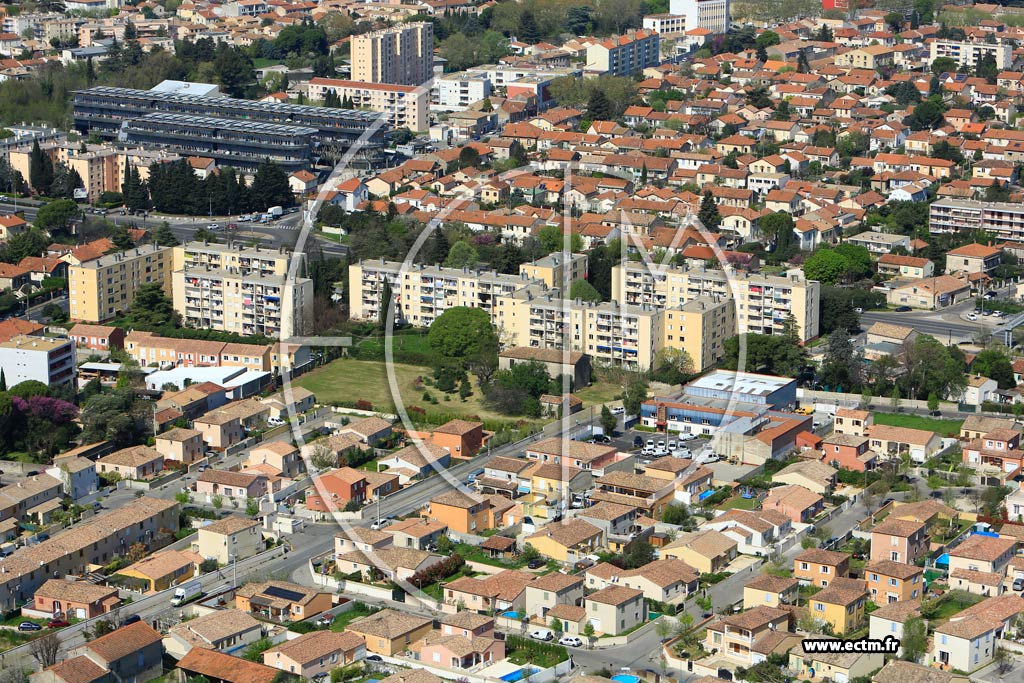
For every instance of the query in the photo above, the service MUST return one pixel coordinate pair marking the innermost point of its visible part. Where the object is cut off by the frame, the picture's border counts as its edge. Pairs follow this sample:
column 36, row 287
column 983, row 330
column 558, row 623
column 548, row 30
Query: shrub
column 437, row 572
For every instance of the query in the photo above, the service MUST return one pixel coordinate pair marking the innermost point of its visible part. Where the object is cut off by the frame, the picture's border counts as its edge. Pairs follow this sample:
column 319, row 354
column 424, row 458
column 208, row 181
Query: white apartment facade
column 712, row 15
column 405, row 105
column 455, row 92
column 969, row 54
column 43, row 359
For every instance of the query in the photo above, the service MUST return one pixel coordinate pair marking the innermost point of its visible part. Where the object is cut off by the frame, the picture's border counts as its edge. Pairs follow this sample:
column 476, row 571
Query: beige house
column 968, row 640
column 853, row 422
column 180, row 444
column 736, row 636
column 556, row 588
column 281, row 456
column 316, row 652
column 615, row 609
column 137, row 462
column 812, row 475
column 220, row 429
column 930, row 293
column 706, row 551
column 390, row 632
column 665, row 580
column 230, row 539
column 770, row 591
column 225, row 630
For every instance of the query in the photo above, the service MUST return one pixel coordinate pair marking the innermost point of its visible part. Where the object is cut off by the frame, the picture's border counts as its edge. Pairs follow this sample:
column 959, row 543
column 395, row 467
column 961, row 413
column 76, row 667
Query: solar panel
column 283, row 593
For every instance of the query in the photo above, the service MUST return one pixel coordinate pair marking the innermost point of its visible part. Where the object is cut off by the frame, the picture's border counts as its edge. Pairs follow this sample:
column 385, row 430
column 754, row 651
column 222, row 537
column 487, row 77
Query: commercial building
column 763, row 304
column 46, row 360
column 241, row 144
column 240, row 289
column 405, row 106
column 401, row 55
column 969, row 54
column 104, row 287
column 624, row 55
column 103, row 111
column 712, row 15
column 455, row 92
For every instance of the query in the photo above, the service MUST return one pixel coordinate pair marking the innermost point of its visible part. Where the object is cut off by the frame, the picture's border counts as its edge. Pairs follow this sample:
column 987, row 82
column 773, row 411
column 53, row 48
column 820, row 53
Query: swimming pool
column 510, row 615
column 626, row 678
column 518, row 674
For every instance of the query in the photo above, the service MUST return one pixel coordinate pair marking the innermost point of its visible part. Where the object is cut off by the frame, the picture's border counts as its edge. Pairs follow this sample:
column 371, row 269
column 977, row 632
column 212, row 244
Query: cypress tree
column 709, row 215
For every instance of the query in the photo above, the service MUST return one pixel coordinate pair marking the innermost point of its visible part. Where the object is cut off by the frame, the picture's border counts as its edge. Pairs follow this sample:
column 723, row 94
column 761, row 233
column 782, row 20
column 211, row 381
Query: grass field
column 346, row 381
column 941, row 427
column 739, row 503
column 599, row 392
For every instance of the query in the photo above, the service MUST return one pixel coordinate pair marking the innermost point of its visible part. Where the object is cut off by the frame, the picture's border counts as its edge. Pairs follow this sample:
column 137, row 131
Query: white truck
column 186, row 592
column 275, row 211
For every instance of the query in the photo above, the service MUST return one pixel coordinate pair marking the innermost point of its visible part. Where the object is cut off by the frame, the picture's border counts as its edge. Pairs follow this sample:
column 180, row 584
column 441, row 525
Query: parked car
column 536, row 563
column 638, row 442
column 858, row 310
column 618, row 410
column 131, row 619
column 1018, row 584
column 29, row 626
column 275, row 422
column 541, row 634
column 571, row 641
column 601, row 438
column 374, row 658
column 972, row 316
column 903, row 309
column 380, row 523
column 325, row 620
column 989, row 295
column 61, row 623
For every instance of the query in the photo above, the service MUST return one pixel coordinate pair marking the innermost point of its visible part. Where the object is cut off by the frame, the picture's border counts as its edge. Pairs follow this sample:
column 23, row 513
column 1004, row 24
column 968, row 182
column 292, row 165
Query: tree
column 40, row 169
column 841, row 368
column 3, row 380
column 182, row 497
column 462, row 332
column 584, row 291
column 323, row 458
column 551, row 238
column 926, row 115
column 270, row 186
column 134, row 190
column 770, row 354
column 995, row 364
column 252, row 507
column 217, row 501
column 599, row 107
column 708, row 214
column 943, row 65
column 461, row 255
column 529, row 33
column 637, row 554
column 151, row 308
column 915, row 639
column 826, row 266
column 556, row 627
column 164, row 237
column 45, row 649
column 775, row 225
column 469, row 157
column 608, row 421
column 588, row 633
column 933, row 402
column 57, row 216
column 635, row 393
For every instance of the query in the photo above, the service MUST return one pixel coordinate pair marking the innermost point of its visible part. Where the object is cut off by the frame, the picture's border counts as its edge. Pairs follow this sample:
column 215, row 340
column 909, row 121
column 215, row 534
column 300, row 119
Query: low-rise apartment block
column 969, row 53
column 1001, row 219
column 103, row 287
column 405, row 106
column 762, row 303
column 46, row 360
column 624, row 55
column 240, row 289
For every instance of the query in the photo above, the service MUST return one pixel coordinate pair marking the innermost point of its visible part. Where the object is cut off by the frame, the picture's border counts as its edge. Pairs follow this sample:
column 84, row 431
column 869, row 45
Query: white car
column 542, row 634
column 275, row 422
column 213, row 226
column 571, row 641
column 858, row 310
column 380, row 523
column 618, row 410
column 972, row 316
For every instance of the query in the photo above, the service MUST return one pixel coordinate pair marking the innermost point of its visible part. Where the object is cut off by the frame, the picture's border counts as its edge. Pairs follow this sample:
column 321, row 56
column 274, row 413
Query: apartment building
column 712, row 15
column 624, row 55
column 145, row 520
column 102, row 288
column 762, row 303
column 455, row 92
column 421, row 293
column 404, row 105
column 46, row 360
column 241, row 289
column 1003, row 220
column 608, row 332
column 556, row 269
column 969, row 54
column 401, row 55
column 700, row 328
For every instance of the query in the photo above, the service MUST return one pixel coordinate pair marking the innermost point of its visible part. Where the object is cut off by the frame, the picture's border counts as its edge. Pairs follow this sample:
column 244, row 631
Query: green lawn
column 952, row 603
column 739, row 503
column 345, row 381
column 939, row 426
column 599, row 392
column 358, row 611
column 520, row 650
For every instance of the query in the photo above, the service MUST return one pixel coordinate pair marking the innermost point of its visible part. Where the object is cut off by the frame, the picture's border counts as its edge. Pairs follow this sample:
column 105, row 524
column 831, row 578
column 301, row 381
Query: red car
column 58, row 623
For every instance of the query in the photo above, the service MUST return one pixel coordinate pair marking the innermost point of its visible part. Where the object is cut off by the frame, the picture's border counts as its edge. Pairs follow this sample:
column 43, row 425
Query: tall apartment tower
column 402, row 55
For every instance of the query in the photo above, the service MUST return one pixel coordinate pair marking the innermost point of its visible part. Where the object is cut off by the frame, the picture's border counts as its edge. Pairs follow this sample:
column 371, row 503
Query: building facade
column 624, row 55
column 240, row 289
column 404, row 105
column 102, row 288
column 46, row 360
column 401, row 55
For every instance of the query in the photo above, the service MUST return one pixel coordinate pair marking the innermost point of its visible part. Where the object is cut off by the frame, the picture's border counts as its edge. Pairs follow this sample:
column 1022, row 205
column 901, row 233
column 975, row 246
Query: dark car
column 58, row 623
column 131, row 620
column 903, row 309
column 29, row 626
column 33, row 473
column 536, row 563
column 601, row 438
column 638, row 442
column 374, row 658
column 936, row 413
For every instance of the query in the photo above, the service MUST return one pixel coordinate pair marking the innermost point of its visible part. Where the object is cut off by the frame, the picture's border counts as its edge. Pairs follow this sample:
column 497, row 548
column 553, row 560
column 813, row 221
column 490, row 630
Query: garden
column 522, row 650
